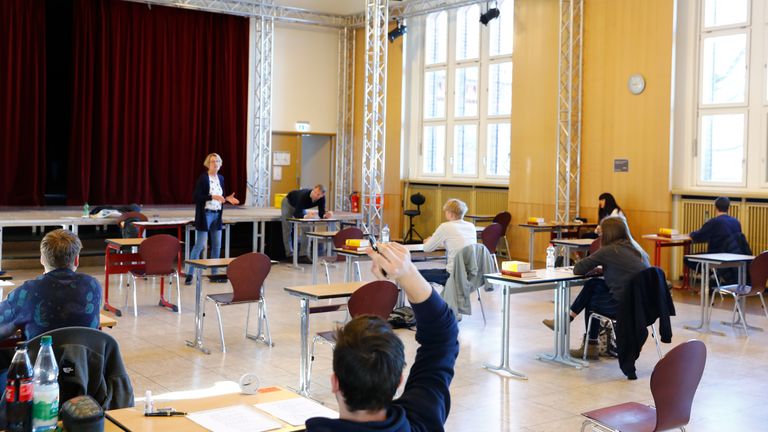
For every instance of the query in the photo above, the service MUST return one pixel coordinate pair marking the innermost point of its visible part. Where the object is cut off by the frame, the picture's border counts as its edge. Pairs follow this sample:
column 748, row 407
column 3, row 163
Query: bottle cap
column 46, row 340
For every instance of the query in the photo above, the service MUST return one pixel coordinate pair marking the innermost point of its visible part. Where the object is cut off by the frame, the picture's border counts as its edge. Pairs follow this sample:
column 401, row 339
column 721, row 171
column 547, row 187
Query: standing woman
column 209, row 201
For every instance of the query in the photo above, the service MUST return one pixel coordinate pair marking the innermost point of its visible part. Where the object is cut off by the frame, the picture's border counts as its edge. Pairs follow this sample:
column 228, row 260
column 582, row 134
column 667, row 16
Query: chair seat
column 736, row 289
column 226, row 299
column 412, row 212
column 143, row 273
column 329, row 335
column 626, row 417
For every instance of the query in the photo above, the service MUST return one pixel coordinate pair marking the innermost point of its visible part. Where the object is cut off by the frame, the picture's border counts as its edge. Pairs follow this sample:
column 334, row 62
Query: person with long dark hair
column 607, row 207
column 621, row 258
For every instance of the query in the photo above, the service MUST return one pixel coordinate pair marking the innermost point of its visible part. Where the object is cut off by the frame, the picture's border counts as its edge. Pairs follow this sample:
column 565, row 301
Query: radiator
column 756, row 228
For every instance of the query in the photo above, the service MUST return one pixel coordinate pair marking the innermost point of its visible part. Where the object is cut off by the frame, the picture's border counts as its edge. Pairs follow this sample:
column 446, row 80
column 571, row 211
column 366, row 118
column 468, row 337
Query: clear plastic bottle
column 45, row 411
column 550, row 256
column 385, row 234
column 86, row 210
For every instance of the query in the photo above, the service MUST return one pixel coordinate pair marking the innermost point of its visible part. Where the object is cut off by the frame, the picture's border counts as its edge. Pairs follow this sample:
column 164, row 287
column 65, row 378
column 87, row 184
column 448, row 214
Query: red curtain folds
column 22, row 102
column 154, row 91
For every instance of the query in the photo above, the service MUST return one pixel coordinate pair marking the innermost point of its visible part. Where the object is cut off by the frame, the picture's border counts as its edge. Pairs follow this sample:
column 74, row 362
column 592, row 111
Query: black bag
column 129, row 230
column 402, row 317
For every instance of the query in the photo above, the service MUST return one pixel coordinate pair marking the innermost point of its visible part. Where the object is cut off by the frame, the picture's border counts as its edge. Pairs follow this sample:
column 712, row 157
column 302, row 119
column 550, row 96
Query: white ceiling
column 334, row 7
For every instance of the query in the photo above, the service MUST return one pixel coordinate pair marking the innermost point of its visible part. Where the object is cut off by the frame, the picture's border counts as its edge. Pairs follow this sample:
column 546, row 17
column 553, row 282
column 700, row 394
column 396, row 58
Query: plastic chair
column 758, row 273
column 674, row 381
column 158, row 253
column 376, row 298
column 490, row 238
column 504, row 218
column 418, row 200
column 246, row 273
column 339, row 240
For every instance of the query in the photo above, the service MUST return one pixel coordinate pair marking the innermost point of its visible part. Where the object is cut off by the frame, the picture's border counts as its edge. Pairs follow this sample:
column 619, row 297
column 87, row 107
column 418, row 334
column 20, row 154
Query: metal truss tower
column 569, row 110
column 261, row 144
column 374, row 113
column 345, row 129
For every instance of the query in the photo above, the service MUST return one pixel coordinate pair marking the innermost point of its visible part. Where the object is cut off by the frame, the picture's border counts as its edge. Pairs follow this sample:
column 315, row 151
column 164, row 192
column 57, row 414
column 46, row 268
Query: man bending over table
column 369, row 359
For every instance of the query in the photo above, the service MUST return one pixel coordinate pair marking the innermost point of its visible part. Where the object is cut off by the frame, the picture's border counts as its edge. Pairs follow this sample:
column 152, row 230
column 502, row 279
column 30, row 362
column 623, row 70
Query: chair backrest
column 490, row 236
column 674, row 381
column 594, row 246
column 125, row 222
column 758, row 272
column 133, row 215
column 418, row 199
column 89, row 363
column 503, row 219
column 158, row 253
column 247, row 273
column 374, row 298
column 341, row 237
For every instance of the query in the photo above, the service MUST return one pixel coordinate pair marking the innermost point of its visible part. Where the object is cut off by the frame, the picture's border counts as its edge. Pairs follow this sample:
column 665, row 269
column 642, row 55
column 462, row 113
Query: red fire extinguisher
column 354, row 200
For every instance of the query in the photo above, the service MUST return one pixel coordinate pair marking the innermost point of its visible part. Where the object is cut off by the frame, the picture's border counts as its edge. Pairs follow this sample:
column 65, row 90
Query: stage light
column 491, row 14
column 398, row 31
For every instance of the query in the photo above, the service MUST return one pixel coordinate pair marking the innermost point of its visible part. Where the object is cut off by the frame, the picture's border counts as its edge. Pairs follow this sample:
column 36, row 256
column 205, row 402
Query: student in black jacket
column 368, row 360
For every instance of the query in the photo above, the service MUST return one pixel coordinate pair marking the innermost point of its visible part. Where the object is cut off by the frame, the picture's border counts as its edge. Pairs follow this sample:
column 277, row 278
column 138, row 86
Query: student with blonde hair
column 452, row 236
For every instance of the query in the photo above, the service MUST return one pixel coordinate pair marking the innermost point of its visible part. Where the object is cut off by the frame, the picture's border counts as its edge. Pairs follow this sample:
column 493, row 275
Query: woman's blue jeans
column 201, row 240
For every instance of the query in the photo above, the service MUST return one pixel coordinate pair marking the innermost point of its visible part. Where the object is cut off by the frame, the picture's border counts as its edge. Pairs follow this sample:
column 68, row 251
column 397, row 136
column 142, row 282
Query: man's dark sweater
column 720, row 233
column 426, row 400
column 300, row 200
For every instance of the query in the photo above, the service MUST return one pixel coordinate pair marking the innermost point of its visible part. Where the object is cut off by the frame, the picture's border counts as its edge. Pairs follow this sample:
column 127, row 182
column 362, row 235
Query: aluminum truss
column 569, row 110
column 344, row 134
column 374, row 112
column 261, row 143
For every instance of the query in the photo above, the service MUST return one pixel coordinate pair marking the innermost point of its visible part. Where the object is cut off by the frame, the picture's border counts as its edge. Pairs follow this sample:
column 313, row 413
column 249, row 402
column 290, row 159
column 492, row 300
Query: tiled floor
column 731, row 396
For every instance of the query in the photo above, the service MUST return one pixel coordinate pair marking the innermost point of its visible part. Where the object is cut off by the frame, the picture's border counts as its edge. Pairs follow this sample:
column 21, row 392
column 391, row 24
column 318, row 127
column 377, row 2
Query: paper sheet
column 6, row 283
column 296, row 411
column 238, row 418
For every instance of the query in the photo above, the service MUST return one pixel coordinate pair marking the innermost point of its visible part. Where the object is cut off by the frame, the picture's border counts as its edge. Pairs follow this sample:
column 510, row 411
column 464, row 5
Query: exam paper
column 238, row 418
column 296, row 411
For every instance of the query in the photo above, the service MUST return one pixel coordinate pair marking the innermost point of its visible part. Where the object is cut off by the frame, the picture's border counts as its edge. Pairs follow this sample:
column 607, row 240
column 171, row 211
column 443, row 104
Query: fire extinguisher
column 354, row 200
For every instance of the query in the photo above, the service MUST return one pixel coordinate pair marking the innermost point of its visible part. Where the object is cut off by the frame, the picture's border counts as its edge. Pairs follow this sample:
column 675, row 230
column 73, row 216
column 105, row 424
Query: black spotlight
column 398, row 31
column 486, row 17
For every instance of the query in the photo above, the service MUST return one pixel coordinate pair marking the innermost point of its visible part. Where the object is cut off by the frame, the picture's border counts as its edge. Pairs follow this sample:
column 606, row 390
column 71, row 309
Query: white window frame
column 414, row 70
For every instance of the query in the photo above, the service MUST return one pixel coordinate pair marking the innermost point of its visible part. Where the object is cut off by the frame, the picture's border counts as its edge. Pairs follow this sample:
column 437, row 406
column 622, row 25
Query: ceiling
column 334, row 7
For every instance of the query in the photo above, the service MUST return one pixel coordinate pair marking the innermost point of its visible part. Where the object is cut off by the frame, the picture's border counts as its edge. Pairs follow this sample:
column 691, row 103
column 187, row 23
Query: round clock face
column 636, row 84
column 249, row 384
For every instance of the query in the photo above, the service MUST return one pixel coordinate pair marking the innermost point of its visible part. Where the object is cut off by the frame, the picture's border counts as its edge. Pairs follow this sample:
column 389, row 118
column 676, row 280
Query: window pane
column 436, row 47
column 724, row 69
column 434, row 150
column 468, row 32
column 722, row 148
column 497, row 152
column 434, row 94
column 725, row 12
column 502, row 29
column 500, row 89
column 466, row 92
column 465, row 150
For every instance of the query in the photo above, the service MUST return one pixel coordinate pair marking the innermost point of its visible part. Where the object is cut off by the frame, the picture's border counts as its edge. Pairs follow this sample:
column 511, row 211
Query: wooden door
column 285, row 178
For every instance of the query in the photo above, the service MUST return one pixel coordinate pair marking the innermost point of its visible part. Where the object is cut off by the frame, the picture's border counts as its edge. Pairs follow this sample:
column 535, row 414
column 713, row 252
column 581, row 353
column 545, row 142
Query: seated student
column 607, row 206
column 621, row 258
column 452, row 236
column 723, row 235
column 59, row 298
column 368, row 360
column 293, row 206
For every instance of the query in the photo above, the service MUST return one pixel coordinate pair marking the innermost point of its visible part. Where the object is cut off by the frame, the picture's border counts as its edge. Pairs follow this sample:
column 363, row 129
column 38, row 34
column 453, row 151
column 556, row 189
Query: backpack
column 130, row 230
column 606, row 341
column 402, row 317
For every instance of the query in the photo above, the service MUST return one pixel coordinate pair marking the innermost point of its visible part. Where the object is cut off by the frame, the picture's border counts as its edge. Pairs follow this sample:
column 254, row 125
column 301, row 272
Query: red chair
column 376, row 298
column 247, row 274
column 339, row 240
column 673, row 384
column 490, row 238
column 158, row 253
column 758, row 273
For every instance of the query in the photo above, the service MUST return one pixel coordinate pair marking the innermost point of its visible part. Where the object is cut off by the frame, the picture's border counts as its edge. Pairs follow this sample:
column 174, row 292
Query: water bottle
column 45, row 412
column 18, row 392
column 385, row 234
column 550, row 257
column 86, row 210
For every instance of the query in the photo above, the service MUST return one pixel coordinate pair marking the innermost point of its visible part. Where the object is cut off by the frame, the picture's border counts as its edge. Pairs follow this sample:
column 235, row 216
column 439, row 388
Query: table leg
column 657, row 254
column 296, row 233
column 504, row 363
column 686, row 270
column 187, row 230
column 531, row 237
column 304, row 360
column 198, row 342
column 314, row 241
column 347, row 268
column 562, row 352
column 107, row 273
column 704, row 325
column 227, row 228
column 1, row 248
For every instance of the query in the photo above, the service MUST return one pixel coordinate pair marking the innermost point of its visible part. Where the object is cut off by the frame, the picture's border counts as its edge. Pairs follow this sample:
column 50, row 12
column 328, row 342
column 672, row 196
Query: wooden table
column 559, row 279
column 296, row 229
column 716, row 260
column 307, row 293
column 315, row 237
column 550, row 228
column 197, row 266
column 133, row 419
column 572, row 245
column 660, row 242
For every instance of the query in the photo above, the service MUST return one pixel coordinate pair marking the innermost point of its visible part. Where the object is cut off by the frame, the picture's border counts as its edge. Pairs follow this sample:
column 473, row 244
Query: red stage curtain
column 154, row 91
column 22, row 105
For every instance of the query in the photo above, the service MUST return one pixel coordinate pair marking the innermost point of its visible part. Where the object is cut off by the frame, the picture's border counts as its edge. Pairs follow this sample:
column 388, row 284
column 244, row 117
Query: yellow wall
column 393, row 203
column 621, row 37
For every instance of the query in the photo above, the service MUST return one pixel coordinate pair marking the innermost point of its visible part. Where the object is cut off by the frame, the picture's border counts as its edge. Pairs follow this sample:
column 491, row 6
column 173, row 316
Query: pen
column 165, row 414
